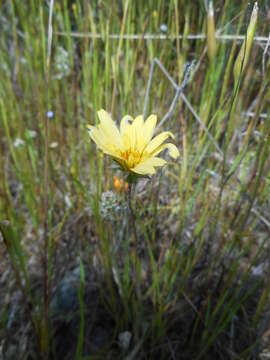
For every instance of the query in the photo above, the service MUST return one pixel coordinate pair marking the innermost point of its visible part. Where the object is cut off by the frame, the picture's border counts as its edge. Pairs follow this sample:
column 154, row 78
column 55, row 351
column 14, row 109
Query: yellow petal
column 125, row 123
column 138, row 124
column 173, row 151
column 147, row 166
column 109, row 128
column 149, row 128
column 132, row 137
column 132, row 134
column 97, row 136
column 124, row 131
column 157, row 141
column 126, row 141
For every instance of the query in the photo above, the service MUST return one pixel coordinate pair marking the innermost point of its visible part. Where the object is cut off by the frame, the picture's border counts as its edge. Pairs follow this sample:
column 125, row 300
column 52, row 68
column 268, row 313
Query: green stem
column 131, row 184
column 132, row 216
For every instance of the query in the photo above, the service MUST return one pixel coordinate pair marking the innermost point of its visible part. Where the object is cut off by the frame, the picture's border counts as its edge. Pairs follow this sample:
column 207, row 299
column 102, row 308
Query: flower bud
column 116, row 183
column 243, row 56
column 119, row 184
column 211, row 33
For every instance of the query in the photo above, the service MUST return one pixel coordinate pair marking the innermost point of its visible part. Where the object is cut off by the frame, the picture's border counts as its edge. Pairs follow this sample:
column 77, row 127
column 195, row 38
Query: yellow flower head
column 132, row 147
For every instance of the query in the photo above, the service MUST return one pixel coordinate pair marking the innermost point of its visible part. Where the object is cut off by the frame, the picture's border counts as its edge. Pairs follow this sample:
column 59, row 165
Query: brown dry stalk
column 44, row 326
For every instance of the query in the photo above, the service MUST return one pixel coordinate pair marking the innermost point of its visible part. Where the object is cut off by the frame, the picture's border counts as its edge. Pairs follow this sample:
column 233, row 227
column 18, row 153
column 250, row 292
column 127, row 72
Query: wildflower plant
column 134, row 149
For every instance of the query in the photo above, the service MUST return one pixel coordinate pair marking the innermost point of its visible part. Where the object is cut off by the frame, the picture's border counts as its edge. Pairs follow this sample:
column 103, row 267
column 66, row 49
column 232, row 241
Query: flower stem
column 132, row 216
column 133, row 224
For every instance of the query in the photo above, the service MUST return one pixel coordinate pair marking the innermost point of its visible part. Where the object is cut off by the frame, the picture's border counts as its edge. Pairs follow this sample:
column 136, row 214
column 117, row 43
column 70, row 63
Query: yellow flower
column 132, row 147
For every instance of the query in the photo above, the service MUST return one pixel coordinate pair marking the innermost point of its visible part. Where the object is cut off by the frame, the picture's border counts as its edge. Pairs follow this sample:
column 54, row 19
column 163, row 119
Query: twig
column 198, row 63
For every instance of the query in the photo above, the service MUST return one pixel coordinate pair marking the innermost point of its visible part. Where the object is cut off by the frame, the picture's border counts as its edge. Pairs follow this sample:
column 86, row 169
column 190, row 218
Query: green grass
column 202, row 222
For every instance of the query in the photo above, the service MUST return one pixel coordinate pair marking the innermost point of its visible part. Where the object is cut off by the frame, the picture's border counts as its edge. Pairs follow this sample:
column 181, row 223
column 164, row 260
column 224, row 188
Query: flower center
column 132, row 157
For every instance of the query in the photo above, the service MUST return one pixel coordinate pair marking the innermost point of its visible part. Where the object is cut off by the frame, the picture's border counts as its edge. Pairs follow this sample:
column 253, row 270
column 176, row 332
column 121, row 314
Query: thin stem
column 133, row 224
column 132, row 216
